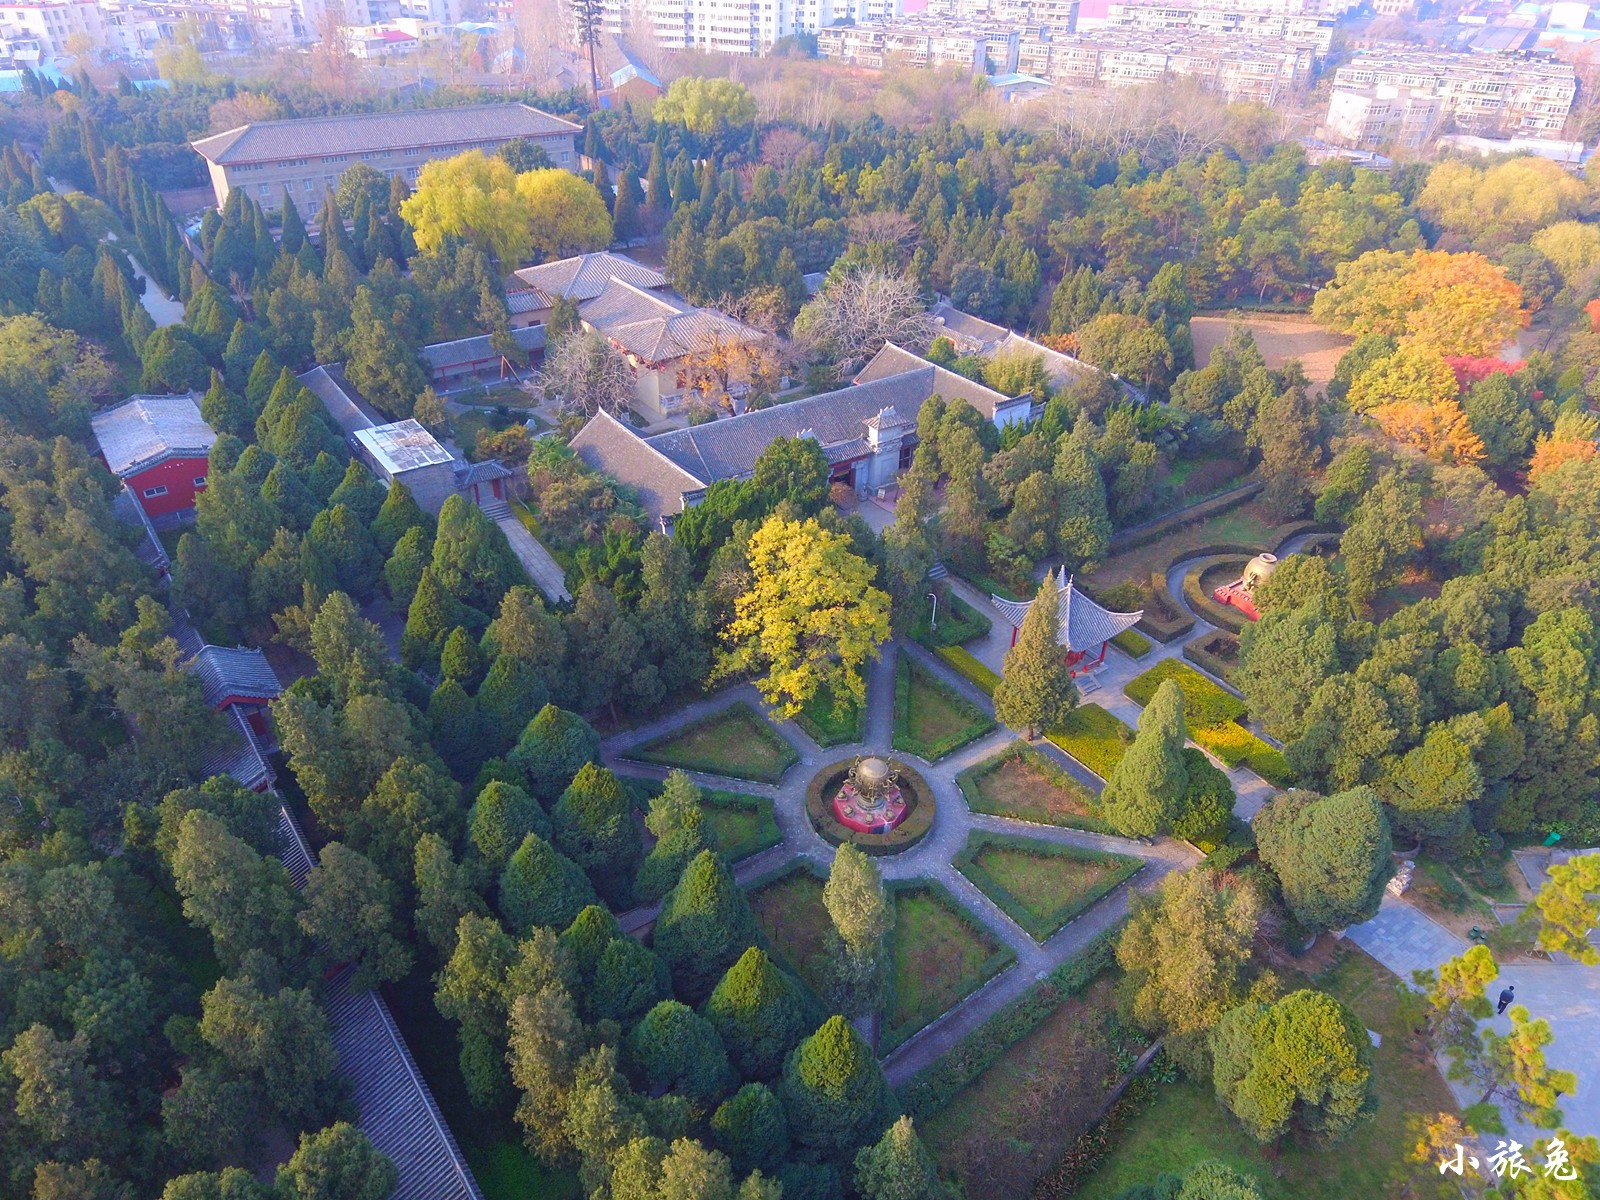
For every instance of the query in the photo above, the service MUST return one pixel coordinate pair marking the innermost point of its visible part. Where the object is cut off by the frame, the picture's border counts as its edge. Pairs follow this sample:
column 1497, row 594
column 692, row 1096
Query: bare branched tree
column 584, row 373
column 857, row 312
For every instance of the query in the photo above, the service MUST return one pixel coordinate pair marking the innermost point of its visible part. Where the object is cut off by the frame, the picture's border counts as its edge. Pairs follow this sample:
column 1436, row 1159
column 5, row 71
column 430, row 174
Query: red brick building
column 159, row 447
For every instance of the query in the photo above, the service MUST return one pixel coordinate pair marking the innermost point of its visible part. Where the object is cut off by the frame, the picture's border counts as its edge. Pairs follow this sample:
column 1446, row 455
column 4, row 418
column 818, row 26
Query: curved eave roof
column 1082, row 623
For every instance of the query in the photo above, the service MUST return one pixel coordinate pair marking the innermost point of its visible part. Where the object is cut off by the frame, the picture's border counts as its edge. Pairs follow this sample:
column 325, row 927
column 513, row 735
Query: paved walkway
column 545, row 572
column 1566, row 994
column 930, row 859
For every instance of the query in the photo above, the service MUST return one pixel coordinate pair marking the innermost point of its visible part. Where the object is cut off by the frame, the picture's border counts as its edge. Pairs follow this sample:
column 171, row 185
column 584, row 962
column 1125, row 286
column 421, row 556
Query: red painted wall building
column 159, row 445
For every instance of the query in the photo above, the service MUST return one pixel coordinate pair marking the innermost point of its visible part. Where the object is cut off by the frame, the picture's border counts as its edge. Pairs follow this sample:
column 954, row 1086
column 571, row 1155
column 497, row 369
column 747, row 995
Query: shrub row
column 1040, row 928
column 1096, row 1143
column 959, row 622
column 662, row 752
column 939, row 1083
column 1132, row 643
column 893, row 1036
column 911, row 676
column 826, row 729
column 1204, row 702
column 969, row 668
column 1150, row 531
column 1206, row 658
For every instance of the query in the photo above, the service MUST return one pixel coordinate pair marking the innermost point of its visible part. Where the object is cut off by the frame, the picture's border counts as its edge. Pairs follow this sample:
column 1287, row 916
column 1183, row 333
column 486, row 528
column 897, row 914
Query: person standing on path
column 1506, row 997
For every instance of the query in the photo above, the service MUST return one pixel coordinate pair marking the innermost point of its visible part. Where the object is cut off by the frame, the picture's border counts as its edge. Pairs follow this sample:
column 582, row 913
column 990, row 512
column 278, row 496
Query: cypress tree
column 833, row 1090
column 541, row 887
column 472, row 557
column 657, row 192
column 455, row 729
column 704, row 927
column 1085, row 530
column 585, row 942
column 287, row 493
column 509, row 692
column 264, row 373
column 898, row 1167
column 674, row 1047
column 628, row 981
column 399, row 512
column 760, row 1012
column 1333, row 856
column 294, row 227
column 751, row 1129
column 679, row 825
column 552, row 749
column 594, row 826
column 403, row 571
column 323, row 476
column 224, row 410
column 461, row 660
column 1145, row 792
column 360, row 492
column 625, row 211
column 1036, row 689
column 433, row 613
column 501, row 817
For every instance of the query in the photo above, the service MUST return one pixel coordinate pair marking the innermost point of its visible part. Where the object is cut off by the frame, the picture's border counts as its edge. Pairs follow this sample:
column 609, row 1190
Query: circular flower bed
column 918, row 820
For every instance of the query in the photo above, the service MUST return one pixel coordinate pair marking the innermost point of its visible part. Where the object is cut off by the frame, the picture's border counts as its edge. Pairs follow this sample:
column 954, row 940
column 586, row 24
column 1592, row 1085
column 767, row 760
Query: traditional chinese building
column 159, row 447
column 1084, row 627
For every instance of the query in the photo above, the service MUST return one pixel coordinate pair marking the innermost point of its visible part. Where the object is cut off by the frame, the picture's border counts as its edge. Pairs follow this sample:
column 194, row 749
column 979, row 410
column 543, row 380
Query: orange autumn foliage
column 1438, row 429
column 1549, row 454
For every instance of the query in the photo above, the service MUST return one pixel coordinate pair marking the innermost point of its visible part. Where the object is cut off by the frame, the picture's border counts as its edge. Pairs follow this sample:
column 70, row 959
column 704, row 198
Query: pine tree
column 862, row 916
column 1036, row 689
column 264, row 374
column 510, row 691
column 471, row 556
column 704, row 927
column 403, row 572
column 761, row 1013
column 899, row 1167
column 594, row 826
column 286, row 491
column 542, row 887
column 552, row 749
column 454, row 728
column 834, row 1091
column 501, row 817
column 1085, row 529
column 360, row 492
column 1145, row 792
column 677, row 820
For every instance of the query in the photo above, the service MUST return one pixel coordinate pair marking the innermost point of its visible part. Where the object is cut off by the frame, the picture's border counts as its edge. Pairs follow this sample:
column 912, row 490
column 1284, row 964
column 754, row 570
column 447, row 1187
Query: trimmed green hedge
column 910, row 676
column 1040, row 927
column 940, row 1082
column 825, row 728
column 959, row 622
column 1132, row 643
column 892, row 1037
column 1223, row 615
column 1164, row 618
column 766, row 835
column 969, row 668
column 970, row 782
column 664, row 751
column 1152, row 531
column 1204, row 702
column 1093, row 736
column 1201, row 656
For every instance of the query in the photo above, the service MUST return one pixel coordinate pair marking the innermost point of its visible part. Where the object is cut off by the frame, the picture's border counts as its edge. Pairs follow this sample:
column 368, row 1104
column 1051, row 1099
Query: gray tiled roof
column 442, row 355
column 128, row 510
column 659, row 326
column 469, row 473
column 986, row 333
column 728, row 449
column 144, row 430
column 892, row 361
column 344, row 404
column 238, row 755
column 1082, row 624
column 584, row 276
column 394, row 1106
column 366, row 133
column 235, row 671
column 609, row 446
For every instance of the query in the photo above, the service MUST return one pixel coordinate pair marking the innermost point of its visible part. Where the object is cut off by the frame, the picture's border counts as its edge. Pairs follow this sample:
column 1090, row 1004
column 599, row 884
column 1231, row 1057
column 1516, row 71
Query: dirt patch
column 1279, row 338
column 1019, row 788
column 1005, row 1129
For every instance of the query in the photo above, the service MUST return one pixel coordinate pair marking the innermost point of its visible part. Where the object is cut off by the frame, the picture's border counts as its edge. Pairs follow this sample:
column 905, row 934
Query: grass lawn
column 940, row 956
column 791, row 915
column 468, row 424
column 1020, row 782
column 736, row 742
column 1011, row 1124
column 1247, row 525
column 744, row 825
column 1186, row 1124
column 930, row 718
column 1038, row 885
column 1094, row 737
column 491, row 1141
column 827, row 727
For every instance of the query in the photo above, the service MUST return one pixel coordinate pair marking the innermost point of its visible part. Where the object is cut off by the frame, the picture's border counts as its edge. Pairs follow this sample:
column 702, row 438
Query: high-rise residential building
column 1231, row 19
column 734, row 26
column 1479, row 92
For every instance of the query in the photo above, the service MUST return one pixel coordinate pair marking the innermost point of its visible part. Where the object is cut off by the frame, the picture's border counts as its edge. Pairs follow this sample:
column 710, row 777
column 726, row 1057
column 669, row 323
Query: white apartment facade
column 1230, row 20
column 1480, row 92
column 746, row 27
column 1382, row 114
column 50, row 24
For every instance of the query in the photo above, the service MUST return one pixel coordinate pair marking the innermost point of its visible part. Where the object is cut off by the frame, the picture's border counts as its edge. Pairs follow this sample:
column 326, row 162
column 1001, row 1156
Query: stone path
column 1566, row 994
column 931, row 858
column 545, row 572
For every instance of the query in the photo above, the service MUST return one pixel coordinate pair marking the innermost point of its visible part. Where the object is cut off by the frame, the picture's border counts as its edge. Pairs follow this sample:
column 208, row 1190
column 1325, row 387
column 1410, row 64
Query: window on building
column 152, row 493
column 199, row 481
column 264, row 188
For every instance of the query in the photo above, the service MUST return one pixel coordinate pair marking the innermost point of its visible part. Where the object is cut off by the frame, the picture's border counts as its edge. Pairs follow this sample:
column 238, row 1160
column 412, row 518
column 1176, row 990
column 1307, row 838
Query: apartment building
column 736, row 26
column 925, row 41
column 50, row 24
column 1054, row 14
column 306, row 157
column 1227, row 20
column 1480, row 93
column 1382, row 115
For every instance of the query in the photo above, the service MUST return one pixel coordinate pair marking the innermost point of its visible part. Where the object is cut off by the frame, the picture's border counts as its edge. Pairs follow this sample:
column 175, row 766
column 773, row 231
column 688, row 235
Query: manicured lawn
column 1248, row 525
column 827, row 726
column 736, row 742
column 1038, row 885
column 1185, row 1124
column 506, row 1171
column 791, row 915
column 1007, row 1127
column 744, row 825
column 930, row 718
column 969, row 668
column 1213, row 714
column 1020, row 782
column 1094, row 737
column 940, row 955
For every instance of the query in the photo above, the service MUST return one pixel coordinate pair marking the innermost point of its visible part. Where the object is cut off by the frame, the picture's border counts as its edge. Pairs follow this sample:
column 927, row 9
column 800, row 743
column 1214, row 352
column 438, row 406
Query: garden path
column 932, row 858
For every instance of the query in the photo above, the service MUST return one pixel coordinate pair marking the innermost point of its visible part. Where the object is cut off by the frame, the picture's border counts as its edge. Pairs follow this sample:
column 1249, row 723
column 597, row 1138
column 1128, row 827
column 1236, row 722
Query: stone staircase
column 938, row 571
column 496, row 510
